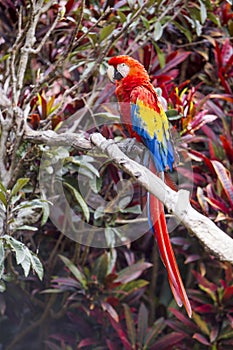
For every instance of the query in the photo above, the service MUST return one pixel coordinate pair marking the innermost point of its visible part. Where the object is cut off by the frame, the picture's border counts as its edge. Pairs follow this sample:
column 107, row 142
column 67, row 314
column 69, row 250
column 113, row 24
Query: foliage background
column 93, row 298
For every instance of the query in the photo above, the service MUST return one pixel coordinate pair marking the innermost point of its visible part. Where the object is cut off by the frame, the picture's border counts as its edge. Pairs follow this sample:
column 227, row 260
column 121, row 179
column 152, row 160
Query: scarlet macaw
column 145, row 119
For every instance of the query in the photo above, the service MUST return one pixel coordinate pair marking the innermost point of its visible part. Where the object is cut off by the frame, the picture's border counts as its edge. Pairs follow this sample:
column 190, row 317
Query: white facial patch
column 123, row 69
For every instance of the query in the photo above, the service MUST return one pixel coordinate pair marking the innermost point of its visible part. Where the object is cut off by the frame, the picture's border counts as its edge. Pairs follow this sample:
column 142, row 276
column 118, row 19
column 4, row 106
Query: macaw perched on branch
column 144, row 118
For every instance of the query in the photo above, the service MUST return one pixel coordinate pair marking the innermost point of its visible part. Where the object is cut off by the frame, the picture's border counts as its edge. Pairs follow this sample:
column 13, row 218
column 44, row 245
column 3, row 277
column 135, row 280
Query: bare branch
column 45, row 38
column 76, row 140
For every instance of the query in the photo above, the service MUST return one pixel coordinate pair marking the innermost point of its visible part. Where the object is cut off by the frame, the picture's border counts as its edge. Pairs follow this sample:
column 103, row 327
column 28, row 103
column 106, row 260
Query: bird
column 144, row 118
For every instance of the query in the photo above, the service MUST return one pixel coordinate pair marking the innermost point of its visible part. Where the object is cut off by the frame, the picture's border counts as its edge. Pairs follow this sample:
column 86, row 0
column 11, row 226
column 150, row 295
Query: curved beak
column 110, row 73
column 114, row 74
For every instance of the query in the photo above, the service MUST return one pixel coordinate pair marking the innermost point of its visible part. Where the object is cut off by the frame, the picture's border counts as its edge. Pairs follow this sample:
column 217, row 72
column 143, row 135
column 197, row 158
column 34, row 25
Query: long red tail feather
column 157, row 218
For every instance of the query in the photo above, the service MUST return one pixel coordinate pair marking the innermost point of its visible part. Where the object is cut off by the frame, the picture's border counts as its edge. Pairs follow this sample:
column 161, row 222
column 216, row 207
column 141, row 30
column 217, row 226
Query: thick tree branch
column 76, row 140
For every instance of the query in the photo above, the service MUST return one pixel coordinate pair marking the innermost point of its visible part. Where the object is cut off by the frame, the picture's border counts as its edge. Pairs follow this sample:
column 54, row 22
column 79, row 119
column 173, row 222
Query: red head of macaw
column 144, row 118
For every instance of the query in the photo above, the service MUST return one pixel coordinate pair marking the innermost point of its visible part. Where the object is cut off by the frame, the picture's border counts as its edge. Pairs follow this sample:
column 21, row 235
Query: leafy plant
column 53, row 60
column 212, row 305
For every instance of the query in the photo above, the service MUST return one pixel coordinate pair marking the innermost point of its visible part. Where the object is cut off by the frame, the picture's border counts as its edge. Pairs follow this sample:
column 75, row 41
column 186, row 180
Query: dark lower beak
column 117, row 75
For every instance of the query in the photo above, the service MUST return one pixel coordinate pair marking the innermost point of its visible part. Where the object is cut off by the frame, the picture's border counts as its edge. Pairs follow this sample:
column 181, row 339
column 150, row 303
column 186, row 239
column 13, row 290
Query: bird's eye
column 123, row 69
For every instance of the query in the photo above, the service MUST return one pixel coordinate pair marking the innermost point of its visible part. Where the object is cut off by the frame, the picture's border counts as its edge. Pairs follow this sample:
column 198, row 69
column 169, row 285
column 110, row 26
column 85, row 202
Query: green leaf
column 112, row 257
column 2, row 187
column 201, row 323
column 106, row 31
column 93, row 38
column 36, row 265
column 214, row 19
column 84, row 162
column 95, row 184
column 18, row 247
column 161, row 55
column 136, row 209
column 183, row 30
column 99, row 212
column 158, row 31
column 173, row 114
column 226, row 335
column 2, row 287
column 2, row 257
column 142, row 324
column 18, row 186
column 3, row 198
column 198, row 27
column 26, row 263
column 24, row 256
column 80, row 200
column 45, row 212
column 130, row 287
column 75, row 271
column 110, row 233
column 4, row 57
column 122, row 16
column 130, row 326
column 52, row 291
column 101, row 267
column 146, row 23
column 203, row 12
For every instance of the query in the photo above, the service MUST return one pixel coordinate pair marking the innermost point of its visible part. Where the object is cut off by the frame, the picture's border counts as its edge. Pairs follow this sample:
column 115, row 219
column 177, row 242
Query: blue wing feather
column 152, row 127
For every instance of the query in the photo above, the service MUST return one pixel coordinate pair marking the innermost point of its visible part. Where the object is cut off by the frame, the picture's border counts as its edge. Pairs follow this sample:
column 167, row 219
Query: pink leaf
column 201, row 339
column 86, row 342
column 168, row 341
column 223, row 176
column 132, row 272
column 181, row 317
column 110, row 310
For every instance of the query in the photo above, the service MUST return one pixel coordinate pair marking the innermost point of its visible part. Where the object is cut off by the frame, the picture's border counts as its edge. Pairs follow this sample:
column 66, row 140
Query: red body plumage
column 144, row 118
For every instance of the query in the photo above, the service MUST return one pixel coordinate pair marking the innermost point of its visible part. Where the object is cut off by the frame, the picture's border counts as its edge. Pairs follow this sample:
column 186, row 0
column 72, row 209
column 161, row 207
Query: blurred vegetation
column 55, row 292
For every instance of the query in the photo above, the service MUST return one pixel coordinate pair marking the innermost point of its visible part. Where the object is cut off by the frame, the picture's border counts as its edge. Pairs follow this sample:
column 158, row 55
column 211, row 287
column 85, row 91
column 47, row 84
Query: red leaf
column 181, row 317
column 192, row 258
column 168, row 341
column 201, row 339
column 228, row 294
column 226, row 51
column 222, row 77
column 203, row 309
column 121, row 334
column 69, row 5
column 214, row 333
column 201, row 119
column 227, row 147
column 173, row 60
column 217, row 204
column 204, row 158
column 111, row 345
column 86, row 342
column 132, row 272
column 204, row 282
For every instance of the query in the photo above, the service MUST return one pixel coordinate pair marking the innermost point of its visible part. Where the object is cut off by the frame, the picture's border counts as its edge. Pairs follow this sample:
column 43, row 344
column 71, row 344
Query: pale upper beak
column 110, row 73
column 114, row 74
